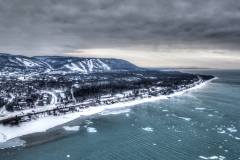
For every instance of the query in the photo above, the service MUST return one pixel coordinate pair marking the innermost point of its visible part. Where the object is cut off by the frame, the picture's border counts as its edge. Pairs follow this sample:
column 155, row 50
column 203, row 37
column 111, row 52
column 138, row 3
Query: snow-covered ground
column 43, row 124
column 28, row 62
column 32, row 110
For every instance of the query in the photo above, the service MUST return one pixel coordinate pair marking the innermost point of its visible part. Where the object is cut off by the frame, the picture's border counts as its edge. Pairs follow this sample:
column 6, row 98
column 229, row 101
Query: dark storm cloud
column 58, row 26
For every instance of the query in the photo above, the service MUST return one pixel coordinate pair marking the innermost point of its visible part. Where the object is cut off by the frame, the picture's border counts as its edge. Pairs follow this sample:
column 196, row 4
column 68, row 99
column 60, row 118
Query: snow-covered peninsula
column 49, row 121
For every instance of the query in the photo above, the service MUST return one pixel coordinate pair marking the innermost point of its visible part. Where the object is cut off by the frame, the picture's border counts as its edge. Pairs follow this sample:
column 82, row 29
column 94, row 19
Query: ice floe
column 73, row 128
column 200, row 108
column 221, row 131
column 237, row 138
column 88, row 122
column 232, row 129
column 117, row 111
column 213, row 157
column 91, row 129
column 187, row 119
column 148, row 129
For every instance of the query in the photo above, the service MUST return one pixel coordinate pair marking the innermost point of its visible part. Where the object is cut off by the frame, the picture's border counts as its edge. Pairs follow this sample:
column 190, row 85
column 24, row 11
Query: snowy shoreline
column 43, row 124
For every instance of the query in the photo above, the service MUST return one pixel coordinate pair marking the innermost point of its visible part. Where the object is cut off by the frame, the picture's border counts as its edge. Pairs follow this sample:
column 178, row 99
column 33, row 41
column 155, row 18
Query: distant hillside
column 20, row 63
column 12, row 63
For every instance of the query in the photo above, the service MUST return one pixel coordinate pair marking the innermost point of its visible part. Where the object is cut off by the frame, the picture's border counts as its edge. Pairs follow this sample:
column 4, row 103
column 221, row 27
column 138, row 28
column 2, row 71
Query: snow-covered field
column 45, row 123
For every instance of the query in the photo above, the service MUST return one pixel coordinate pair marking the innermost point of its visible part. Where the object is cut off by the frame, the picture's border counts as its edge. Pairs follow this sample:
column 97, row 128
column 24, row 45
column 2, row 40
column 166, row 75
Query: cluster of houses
column 22, row 91
column 125, row 97
column 44, row 99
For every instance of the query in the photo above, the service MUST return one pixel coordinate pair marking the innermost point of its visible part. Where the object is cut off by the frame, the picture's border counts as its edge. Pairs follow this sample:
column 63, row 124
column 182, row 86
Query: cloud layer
column 54, row 27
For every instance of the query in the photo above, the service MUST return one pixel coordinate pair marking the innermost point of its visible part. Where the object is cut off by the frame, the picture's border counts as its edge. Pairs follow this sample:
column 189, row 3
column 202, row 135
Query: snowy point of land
column 43, row 124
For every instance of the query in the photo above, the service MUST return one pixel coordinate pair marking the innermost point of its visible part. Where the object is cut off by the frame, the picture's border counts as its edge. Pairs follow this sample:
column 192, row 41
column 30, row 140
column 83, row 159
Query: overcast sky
column 152, row 33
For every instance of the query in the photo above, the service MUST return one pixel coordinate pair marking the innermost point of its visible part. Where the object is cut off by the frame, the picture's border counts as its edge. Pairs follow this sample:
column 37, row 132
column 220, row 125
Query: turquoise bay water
column 204, row 123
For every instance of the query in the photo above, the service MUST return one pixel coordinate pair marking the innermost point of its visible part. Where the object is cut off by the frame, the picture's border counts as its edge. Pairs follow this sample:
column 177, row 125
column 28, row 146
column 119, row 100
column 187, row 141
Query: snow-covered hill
column 66, row 64
column 20, row 63
column 86, row 65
